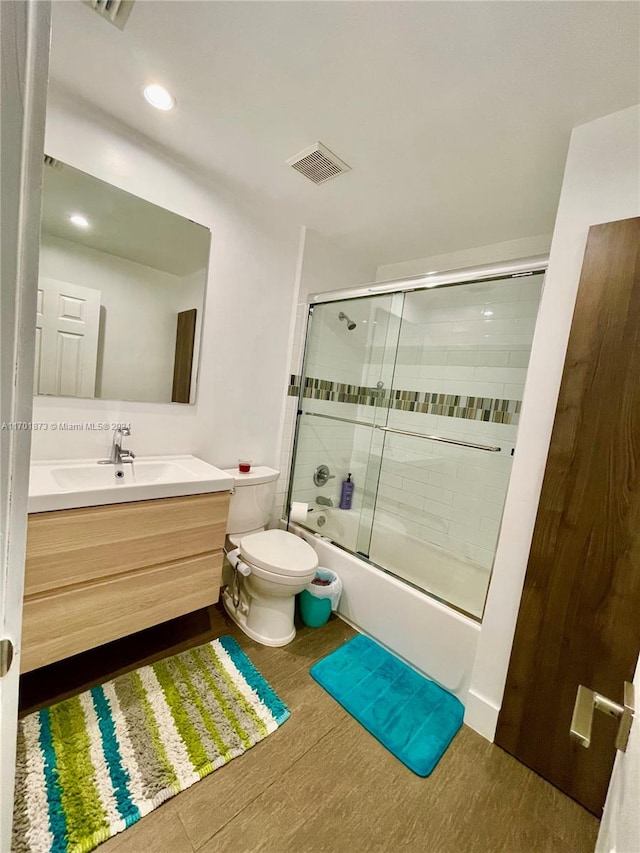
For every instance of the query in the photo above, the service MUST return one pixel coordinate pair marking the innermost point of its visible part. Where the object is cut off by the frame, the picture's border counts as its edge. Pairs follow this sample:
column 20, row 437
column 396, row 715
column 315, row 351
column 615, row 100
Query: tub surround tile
column 519, row 358
column 476, row 357
column 435, row 495
column 486, row 409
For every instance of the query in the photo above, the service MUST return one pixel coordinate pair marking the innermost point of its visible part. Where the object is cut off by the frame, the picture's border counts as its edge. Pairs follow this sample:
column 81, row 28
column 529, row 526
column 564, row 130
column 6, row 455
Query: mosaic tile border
column 491, row 409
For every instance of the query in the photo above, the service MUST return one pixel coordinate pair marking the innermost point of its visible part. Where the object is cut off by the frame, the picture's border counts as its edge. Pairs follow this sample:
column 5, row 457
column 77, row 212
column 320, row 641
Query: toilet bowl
column 270, row 567
column 274, row 566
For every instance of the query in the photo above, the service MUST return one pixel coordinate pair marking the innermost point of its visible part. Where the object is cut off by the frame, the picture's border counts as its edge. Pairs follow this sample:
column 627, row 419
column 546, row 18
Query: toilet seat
column 282, row 581
column 277, row 552
column 235, row 539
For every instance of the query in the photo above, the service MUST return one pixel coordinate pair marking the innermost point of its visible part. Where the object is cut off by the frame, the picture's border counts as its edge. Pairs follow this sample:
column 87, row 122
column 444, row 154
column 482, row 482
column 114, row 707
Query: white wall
column 510, row 250
column 246, row 319
column 620, row 826
column 138, row 315
column 601, row 184
column 323, row 266
column 326, row 266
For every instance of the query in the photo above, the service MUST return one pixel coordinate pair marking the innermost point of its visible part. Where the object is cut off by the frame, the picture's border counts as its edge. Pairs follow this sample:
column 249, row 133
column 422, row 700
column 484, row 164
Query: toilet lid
column 280, row 551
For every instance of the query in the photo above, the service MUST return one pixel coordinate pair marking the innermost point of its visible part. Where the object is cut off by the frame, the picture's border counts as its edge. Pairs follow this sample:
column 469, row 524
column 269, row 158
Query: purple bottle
column 346, row 494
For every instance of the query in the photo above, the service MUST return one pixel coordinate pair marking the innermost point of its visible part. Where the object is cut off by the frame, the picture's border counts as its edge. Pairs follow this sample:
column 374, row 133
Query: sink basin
column 68, row 484
column 101, row 476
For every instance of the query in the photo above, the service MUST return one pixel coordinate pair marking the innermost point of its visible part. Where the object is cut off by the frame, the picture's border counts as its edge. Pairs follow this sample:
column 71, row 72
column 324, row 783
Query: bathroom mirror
column 120, row 293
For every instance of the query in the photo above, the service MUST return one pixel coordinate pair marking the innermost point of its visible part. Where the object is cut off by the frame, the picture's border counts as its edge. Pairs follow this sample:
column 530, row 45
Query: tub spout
column 322, row 501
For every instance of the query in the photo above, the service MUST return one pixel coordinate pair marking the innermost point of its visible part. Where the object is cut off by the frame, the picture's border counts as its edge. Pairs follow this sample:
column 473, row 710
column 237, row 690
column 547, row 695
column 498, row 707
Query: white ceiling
column 120, row 223
column 454, row 116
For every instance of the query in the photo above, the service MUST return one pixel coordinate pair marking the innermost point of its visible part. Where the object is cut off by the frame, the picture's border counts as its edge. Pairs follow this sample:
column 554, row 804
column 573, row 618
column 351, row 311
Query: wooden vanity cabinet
column 96, row 574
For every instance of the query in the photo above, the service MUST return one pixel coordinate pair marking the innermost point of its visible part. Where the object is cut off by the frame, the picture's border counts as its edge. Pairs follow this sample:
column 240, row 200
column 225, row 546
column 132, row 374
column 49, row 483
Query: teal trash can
column 319, row 598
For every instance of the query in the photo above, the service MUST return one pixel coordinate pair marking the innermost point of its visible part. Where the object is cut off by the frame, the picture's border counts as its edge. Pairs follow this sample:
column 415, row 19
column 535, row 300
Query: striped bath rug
column 92, row 765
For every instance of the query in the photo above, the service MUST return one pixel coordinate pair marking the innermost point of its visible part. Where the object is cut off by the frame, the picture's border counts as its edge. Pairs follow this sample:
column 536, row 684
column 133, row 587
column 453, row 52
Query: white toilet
column 273, row 565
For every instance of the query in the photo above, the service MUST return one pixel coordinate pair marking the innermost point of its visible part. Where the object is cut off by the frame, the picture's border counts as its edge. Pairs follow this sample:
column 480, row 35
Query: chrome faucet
column 118, row 453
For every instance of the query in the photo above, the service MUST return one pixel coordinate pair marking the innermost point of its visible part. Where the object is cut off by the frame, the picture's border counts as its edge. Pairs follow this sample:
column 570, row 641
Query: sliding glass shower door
column 350, row 359
column 417, row 395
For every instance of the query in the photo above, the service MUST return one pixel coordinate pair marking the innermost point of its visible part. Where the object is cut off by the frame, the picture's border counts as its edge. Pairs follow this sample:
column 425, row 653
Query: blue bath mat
column 412, row 717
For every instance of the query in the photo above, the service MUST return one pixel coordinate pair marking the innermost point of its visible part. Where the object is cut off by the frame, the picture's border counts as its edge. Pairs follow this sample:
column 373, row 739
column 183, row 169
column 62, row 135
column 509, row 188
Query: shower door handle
column 488, row 447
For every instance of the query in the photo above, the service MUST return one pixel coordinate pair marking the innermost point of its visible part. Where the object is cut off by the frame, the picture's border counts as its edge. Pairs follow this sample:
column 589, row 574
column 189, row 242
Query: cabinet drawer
column 73, row 546
column 75, row 619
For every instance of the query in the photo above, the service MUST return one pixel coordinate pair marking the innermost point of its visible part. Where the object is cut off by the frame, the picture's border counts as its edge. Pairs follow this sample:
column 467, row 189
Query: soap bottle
column 346, row 494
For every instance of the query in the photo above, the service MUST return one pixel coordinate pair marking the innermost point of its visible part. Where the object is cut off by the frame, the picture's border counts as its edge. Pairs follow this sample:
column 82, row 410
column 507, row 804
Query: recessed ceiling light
column 158, row 97
column 488, row 312
column 79, row 220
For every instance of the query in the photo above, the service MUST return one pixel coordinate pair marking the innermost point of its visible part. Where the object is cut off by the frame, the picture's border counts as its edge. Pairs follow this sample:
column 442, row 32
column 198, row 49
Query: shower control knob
column 322, row 475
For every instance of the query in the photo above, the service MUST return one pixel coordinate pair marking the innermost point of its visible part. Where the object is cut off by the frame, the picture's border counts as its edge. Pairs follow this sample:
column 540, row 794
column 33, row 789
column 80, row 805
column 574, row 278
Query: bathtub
column 450, row 577
column 430, row 636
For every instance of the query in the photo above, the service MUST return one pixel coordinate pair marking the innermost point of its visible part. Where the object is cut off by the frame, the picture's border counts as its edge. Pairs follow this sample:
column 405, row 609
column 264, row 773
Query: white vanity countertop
column 71, row 483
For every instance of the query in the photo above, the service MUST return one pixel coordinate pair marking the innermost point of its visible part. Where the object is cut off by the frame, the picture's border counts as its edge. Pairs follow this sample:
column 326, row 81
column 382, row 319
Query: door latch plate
column 588, row 701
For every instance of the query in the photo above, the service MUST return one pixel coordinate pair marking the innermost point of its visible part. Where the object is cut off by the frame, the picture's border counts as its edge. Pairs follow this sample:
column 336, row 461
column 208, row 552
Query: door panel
column 183, row 361
column 68, row 364
column 349, row 363
column 578, row 616
column 67, row 323
column 452, row 424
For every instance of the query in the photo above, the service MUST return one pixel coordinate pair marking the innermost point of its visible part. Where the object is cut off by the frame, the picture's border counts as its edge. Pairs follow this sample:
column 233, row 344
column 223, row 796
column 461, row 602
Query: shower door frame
column 521, row 268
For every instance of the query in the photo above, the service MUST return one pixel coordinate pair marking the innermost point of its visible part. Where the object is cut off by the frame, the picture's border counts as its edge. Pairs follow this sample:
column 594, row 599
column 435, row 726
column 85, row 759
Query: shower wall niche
column 417, row 395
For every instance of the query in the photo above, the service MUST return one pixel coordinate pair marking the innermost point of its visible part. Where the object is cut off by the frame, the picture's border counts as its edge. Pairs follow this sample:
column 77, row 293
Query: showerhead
column 350, row 324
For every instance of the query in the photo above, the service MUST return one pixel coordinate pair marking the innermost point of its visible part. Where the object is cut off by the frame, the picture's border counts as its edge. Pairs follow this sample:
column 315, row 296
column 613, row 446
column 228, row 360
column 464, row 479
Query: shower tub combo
column 414, row 388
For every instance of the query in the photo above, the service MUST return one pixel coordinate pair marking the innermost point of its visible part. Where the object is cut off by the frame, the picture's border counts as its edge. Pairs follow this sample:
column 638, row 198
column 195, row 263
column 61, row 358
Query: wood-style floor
column 322, row 783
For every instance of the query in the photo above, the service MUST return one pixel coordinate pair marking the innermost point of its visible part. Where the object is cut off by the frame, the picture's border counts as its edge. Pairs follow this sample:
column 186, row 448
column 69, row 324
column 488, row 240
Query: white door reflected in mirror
column 67, row 327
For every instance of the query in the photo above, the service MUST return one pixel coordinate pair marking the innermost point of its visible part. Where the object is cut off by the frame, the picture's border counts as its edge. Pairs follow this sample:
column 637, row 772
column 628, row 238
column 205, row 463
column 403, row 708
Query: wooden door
column 578, row 621
column 67, row 322
column 183, row 362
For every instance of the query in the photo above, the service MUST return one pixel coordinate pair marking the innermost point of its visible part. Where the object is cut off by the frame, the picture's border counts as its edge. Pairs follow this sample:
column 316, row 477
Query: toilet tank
column 252, row 503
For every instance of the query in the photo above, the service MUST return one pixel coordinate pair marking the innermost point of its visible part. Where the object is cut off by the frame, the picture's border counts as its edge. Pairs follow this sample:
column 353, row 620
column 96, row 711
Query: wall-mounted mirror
column 120, row 293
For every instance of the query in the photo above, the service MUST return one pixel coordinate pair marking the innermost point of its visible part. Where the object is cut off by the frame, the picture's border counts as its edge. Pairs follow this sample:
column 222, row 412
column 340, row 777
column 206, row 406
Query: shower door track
column 466, row 275
column 486, row 447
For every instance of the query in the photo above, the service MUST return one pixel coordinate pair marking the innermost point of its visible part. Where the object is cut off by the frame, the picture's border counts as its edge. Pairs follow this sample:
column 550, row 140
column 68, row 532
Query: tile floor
column 322, row 783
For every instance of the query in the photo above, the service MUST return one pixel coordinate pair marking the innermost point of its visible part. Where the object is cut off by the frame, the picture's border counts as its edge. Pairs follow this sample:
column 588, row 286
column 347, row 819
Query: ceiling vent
column 115, row 11
column 318, row 163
